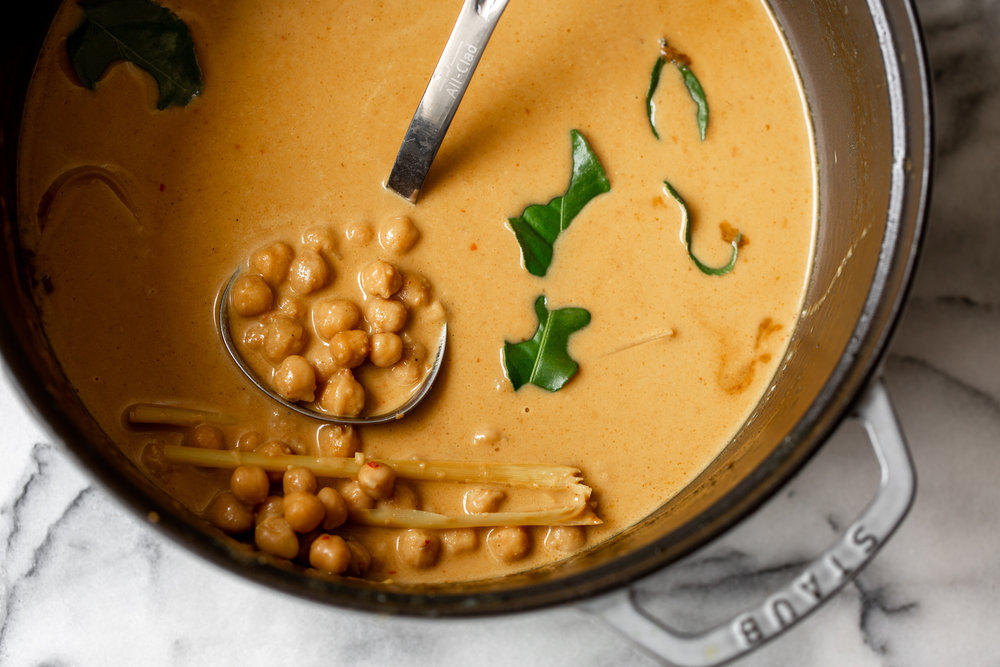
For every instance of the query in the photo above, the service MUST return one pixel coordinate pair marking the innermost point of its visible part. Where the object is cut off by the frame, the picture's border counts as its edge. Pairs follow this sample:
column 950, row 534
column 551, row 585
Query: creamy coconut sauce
column 303, row 109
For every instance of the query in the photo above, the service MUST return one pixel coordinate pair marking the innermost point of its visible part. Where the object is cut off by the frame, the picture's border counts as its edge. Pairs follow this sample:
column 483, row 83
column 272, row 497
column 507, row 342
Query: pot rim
column 910, row 98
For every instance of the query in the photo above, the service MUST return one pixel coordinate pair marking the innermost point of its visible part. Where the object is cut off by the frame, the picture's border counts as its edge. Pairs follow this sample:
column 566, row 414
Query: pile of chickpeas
column 324, row 327
column 296, row 515
column 308, row 332
column 298, row 522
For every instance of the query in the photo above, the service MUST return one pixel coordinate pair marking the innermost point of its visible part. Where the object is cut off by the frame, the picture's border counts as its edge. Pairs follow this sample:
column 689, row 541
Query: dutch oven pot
column 866, row 83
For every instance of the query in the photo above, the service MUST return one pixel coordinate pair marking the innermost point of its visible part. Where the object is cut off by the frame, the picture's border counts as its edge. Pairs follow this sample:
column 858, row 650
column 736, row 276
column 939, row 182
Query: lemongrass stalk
column 512, row 474
column 562, row 478
column 407, row 518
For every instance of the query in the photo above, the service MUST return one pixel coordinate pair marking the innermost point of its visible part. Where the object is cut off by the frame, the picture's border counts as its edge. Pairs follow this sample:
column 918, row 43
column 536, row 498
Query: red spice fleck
column 473, row 247
column 162, row 187
column 372, row 464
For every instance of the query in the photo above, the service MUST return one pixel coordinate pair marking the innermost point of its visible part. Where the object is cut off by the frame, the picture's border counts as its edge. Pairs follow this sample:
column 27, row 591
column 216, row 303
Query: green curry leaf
column 697, row 93
column 698, row 96
column 538, row 227
column 543, row 360
column 654, row 82
column 686, row 234
column 144, row 33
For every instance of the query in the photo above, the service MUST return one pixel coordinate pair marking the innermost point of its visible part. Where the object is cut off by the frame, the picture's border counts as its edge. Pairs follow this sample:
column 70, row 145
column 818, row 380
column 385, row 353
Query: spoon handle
column 444, row 92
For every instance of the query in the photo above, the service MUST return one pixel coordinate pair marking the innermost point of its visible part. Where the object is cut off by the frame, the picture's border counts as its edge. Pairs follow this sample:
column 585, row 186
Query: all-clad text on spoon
column 329, row 406
column 444, row 93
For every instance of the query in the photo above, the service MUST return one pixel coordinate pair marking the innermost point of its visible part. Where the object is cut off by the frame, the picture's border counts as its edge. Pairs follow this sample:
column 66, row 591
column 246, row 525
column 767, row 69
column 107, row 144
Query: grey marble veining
column 82, row 582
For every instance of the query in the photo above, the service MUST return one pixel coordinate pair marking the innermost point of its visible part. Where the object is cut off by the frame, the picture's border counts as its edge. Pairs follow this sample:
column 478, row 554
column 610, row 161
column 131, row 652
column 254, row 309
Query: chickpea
column 330, row 553
column 343, row 395
column 294, row 379
column 435, row 313
column 565, row 539
column 319, row 239
column 335, row 506
column 275, row 536
column 398, row 234
column 407, row 372
column 380, row 278
column 227, row 513
column 272, row 506
column 207, row 436
column 385, row 315
column 331, row 316
column 272, row 262
column 349, row 349
column 509, row 543
column 358, row 232
column 411, row 368
column 250, row 295
column 153, row 458
column 355, row 497
column 387, row 349
column 303, row 511
column 337, row 440
column 298, row 446
column 298, row 478
column 283, row 336
column 322, row 363
column 460, row 540
column 481, row 500
column 250, row 484
column 253, row 336
column 415, row 292
column 292, row 307
column 377, row 479
column 309, row 272
column 275, row 448
column 418, row 548
column 403, row 497
column 361, row 558
column 249, row 442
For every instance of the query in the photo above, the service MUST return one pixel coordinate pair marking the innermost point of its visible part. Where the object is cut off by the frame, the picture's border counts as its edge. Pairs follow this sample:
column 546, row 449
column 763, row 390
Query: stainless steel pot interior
column 865, row 79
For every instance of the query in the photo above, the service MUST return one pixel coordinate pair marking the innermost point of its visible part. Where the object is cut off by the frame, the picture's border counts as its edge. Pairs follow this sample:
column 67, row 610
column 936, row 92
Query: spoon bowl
column 398, row 412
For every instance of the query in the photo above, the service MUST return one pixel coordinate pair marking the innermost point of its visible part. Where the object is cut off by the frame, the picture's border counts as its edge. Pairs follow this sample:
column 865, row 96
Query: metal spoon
column 444, row 92
column 222, row 313
column 423, row 138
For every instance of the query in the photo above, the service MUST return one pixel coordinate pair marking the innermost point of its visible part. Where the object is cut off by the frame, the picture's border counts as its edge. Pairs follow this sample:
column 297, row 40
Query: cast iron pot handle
column 819, row 581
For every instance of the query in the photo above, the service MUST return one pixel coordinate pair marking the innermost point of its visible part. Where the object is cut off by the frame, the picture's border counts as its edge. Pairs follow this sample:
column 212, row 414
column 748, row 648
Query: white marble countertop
column 83, row 582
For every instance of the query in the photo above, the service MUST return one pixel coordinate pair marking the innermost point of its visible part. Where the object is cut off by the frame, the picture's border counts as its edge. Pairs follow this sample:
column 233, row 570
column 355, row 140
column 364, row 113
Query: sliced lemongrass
column 651, row 338
column 157, row 414
column 561, row 478
column 512, row 474
column 574, row 515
